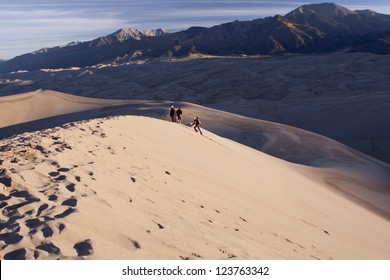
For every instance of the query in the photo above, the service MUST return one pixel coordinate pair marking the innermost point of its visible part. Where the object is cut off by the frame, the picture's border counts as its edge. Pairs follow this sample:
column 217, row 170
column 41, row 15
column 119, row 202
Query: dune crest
column 360, row 172
column 40, row 104
column 139, row 188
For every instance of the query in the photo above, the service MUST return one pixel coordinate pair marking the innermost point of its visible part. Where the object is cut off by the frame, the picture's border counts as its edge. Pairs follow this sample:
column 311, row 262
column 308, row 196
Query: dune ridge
column 40, row 104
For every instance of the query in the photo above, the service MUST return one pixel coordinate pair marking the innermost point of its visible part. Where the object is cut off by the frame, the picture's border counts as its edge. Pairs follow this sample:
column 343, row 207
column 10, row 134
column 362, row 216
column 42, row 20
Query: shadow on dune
column 285, row 142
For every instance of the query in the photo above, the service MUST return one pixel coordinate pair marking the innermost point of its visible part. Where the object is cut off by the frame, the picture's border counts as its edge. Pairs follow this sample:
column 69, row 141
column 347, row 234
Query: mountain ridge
column 308, row 29
column 125, row 34
column 331, row 10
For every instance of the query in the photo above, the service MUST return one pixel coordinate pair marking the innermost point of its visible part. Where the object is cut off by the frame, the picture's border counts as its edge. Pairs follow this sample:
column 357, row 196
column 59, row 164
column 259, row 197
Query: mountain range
column 308, row 29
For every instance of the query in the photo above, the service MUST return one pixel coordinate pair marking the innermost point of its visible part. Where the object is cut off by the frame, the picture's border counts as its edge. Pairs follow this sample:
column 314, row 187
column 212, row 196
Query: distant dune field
column 344, row 96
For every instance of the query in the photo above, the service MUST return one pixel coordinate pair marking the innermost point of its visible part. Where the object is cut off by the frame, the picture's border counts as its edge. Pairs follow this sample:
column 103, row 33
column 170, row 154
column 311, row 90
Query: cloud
column 35, row 29
column 27, row 26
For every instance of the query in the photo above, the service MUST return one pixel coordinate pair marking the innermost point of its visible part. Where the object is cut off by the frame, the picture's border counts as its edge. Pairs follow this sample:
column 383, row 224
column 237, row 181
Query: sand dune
column 40, row 104
column 281, row 141
column 128, row 187
column 140, row 188
column 344, row 96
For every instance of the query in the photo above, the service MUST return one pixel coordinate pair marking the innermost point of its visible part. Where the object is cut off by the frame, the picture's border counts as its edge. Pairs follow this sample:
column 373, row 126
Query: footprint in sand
column 70, row 202
column 90, row 173
column 10, row 212
column 4, row 197
column 33, row 223
column 32, row 232
column 47, row 232
column 229, row 255
column 289, row 241
column 63, row 169
column 16, row 206
column 160, row 226
column 54, row 163
column 54, row 173
column 24, row 194
column 197, row 255
column 10, row 238
column 42, row 208
column 84, row 248
column 60, row 178
column 19, row 254
column 135, row 244
column 71, row 187
column 60, row 227
column 6, row 180
column 66, row 213
column 52, row 197
column 50, row 248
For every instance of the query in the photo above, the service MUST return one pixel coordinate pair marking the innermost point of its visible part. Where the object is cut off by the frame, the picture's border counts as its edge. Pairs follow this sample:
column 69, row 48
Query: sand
column 136, row 187
column 40, row 104
column 344, row 96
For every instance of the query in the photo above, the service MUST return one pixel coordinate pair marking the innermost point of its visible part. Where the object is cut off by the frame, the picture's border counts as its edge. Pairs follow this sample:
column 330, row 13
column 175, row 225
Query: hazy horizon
column 32, row 25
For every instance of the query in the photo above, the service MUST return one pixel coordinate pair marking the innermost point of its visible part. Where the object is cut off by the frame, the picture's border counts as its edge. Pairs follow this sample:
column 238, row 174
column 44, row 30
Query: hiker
column 173, row 114
column 196, row 124
column 178, row 114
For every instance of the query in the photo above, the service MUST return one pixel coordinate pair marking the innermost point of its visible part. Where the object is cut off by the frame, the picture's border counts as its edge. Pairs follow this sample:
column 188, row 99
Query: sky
column 29, row 25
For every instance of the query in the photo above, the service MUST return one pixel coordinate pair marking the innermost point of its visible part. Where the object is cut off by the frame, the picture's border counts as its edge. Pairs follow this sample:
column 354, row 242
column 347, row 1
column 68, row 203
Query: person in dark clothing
column 172, row 114
column 196, row 125
column 179, row 112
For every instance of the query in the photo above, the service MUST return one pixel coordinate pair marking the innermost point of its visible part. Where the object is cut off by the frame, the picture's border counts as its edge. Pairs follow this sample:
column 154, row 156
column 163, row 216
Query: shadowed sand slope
column 359, row 171
column 140, row 188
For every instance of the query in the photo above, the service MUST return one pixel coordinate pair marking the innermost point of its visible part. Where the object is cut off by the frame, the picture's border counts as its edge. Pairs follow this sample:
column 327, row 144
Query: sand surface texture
column 131, row 187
